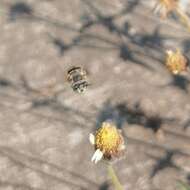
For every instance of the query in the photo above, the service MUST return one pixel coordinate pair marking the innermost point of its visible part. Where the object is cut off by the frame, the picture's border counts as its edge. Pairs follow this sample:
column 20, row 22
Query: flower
column 108, row 142
column 176, row 62
column 164, row 7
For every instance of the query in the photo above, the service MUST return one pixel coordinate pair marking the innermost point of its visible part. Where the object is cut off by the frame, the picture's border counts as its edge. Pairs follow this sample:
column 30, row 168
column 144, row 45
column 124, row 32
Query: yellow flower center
column 176, row 62
column 108, row 139
column 169, row 4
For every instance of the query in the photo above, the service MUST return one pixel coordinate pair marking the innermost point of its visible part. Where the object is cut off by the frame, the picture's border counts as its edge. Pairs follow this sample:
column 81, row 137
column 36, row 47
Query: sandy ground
column 45, row 125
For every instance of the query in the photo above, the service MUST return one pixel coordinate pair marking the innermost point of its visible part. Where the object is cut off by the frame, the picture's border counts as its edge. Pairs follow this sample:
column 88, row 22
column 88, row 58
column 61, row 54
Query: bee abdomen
column 80, row 86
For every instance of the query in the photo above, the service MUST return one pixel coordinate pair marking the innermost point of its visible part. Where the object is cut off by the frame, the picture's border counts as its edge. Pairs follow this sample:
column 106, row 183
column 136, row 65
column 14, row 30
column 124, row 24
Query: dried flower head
column 176, row 62
column 164, row 7
column 108, row 142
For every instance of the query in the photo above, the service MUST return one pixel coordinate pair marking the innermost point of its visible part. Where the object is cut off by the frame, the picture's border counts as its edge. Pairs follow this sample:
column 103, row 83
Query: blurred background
column 44, row 124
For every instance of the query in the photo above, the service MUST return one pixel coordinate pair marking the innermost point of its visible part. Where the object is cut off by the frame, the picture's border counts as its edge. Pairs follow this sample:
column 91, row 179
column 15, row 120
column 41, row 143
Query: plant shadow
column 19, row 10
column 86, row 39
column 164, row 162
column 37, row 165
column 123, row 113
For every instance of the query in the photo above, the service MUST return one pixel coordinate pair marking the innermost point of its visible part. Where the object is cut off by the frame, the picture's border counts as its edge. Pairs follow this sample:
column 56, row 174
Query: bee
column 77, row 77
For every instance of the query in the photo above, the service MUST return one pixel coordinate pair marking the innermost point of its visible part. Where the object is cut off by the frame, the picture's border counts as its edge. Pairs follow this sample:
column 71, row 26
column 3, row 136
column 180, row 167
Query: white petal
column 97, row 156
column 122, row 147
column 92, row 139
column 175, row 72
column 169, row 52
column 157, row 9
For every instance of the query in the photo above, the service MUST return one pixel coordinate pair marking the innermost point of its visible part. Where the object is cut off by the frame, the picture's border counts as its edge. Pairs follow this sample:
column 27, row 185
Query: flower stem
column 183, row 18
column 183, row 186
column 114, row 177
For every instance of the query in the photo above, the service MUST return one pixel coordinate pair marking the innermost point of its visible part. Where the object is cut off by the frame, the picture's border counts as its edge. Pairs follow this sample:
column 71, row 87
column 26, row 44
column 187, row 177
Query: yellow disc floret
column 176, row 62
column 108, row 139
column 169, row 4
column 166, row 6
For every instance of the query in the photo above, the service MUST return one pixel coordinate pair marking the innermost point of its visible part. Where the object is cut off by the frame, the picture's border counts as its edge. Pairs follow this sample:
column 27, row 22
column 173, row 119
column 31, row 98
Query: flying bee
column 77, row 77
